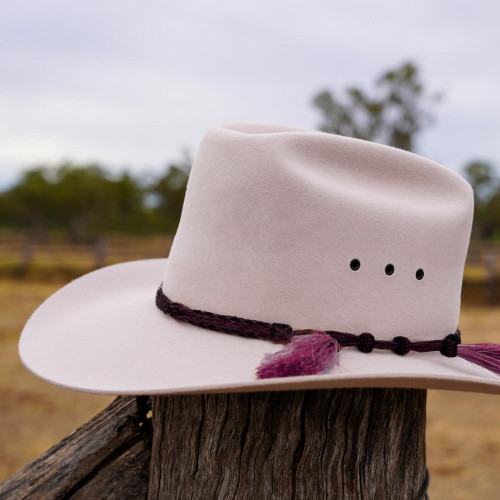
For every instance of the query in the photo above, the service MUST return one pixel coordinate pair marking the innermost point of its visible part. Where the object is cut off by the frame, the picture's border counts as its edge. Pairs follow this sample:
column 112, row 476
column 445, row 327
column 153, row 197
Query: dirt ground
column 463, row 429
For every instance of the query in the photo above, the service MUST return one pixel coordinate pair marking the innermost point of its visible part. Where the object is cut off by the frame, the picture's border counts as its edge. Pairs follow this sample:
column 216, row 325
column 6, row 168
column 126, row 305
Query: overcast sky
column 132, row 83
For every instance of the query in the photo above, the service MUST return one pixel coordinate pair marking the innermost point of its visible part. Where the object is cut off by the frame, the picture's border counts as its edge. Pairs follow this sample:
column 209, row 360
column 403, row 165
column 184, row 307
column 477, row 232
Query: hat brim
column 103, row 333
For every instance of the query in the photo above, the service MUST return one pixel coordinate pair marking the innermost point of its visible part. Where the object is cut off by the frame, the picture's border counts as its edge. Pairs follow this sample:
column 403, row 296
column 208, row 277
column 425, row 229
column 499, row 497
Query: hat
column 302, row 260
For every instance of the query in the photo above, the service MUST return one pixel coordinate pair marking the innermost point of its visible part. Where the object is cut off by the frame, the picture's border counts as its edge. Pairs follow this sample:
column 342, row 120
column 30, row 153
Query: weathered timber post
column 315, row 444
column 106, row 458
column 27, row 252
column 100, row 252
column 490, row 261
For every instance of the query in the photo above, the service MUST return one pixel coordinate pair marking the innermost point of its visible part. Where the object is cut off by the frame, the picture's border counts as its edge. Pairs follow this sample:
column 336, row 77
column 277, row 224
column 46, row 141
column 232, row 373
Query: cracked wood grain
column 344, row 443
column 108, row 457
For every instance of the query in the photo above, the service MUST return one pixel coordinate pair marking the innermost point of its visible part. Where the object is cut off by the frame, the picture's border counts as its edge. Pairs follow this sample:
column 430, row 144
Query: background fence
column 51, row 258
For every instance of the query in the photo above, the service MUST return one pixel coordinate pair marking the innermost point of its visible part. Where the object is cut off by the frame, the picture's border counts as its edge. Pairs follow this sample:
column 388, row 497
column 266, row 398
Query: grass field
column 463, row 436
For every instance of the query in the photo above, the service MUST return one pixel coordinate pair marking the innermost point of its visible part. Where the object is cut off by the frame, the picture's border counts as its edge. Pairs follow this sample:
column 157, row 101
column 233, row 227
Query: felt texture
column 272, row 219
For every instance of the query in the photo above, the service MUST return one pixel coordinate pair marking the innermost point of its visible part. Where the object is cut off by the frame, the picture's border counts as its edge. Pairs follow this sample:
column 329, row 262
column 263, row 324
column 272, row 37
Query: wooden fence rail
column 106, row 458
column 28, row 253
column 20, row 257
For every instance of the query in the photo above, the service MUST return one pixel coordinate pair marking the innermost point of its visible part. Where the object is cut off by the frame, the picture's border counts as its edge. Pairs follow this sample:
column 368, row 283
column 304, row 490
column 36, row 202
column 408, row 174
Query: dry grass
column 463, row 438
column 33, row 415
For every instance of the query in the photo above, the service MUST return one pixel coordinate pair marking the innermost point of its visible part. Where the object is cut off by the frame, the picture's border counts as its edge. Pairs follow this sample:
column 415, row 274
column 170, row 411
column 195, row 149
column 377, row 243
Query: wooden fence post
column 100, row 252
column 27, row 252
column 490, row 260
column 316, row 444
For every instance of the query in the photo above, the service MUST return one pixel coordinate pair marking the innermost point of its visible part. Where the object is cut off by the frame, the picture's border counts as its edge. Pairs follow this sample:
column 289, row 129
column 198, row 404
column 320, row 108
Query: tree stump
column 315, row 444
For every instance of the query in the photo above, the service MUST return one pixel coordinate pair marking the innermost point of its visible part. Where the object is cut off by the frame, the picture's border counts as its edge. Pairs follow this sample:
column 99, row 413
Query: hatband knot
column 457, row 337
column 449, row 345
column 366, row 342
column 403, row 345
column 281, row 332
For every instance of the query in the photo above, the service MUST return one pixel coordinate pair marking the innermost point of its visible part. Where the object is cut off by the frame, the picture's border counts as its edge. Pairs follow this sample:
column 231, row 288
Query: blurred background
column 104, row 103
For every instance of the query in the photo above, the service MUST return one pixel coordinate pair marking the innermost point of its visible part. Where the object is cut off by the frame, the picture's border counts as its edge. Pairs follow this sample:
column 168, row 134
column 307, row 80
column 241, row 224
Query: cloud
column 132, row 83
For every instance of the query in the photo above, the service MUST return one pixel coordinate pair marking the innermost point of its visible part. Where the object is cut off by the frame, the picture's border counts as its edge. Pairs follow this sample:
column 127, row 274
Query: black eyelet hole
column 389, row 269
column 419, row 274
column 355, row 264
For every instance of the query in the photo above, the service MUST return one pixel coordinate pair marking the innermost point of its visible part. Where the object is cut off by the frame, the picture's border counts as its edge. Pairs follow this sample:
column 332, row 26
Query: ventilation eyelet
column 355, row 264
column 419, row 274
column 389, row 269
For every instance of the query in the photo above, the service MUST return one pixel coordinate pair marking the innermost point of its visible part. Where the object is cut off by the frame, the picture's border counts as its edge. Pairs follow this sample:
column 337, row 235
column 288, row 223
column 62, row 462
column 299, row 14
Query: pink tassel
column 485, row 355
column 304, row 355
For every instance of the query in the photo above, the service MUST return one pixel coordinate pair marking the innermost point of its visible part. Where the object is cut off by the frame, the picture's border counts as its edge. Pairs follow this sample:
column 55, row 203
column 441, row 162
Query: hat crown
column 274, row 217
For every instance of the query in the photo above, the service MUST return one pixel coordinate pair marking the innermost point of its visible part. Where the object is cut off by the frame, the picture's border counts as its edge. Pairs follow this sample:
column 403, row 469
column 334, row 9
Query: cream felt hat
column 285, row 234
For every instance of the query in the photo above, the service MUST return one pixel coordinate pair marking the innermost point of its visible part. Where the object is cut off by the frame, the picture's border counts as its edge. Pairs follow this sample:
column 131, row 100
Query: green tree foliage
column 168, row 194
column 486, row 186
column 86, row 201
column 394, row 113
column 27, row 204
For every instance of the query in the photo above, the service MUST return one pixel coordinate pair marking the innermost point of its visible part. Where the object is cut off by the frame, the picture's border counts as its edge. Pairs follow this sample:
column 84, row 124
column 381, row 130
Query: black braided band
column 283, row 333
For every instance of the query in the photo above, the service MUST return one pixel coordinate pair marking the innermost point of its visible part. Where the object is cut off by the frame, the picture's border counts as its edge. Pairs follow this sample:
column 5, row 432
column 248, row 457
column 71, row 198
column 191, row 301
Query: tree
column 84, row 201
column 394, row 113
column 168, row 194
column 486, row 186
column 28, row 203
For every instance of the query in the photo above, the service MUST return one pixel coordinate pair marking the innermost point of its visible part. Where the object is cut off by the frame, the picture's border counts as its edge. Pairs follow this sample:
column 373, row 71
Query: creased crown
column 273, row 217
